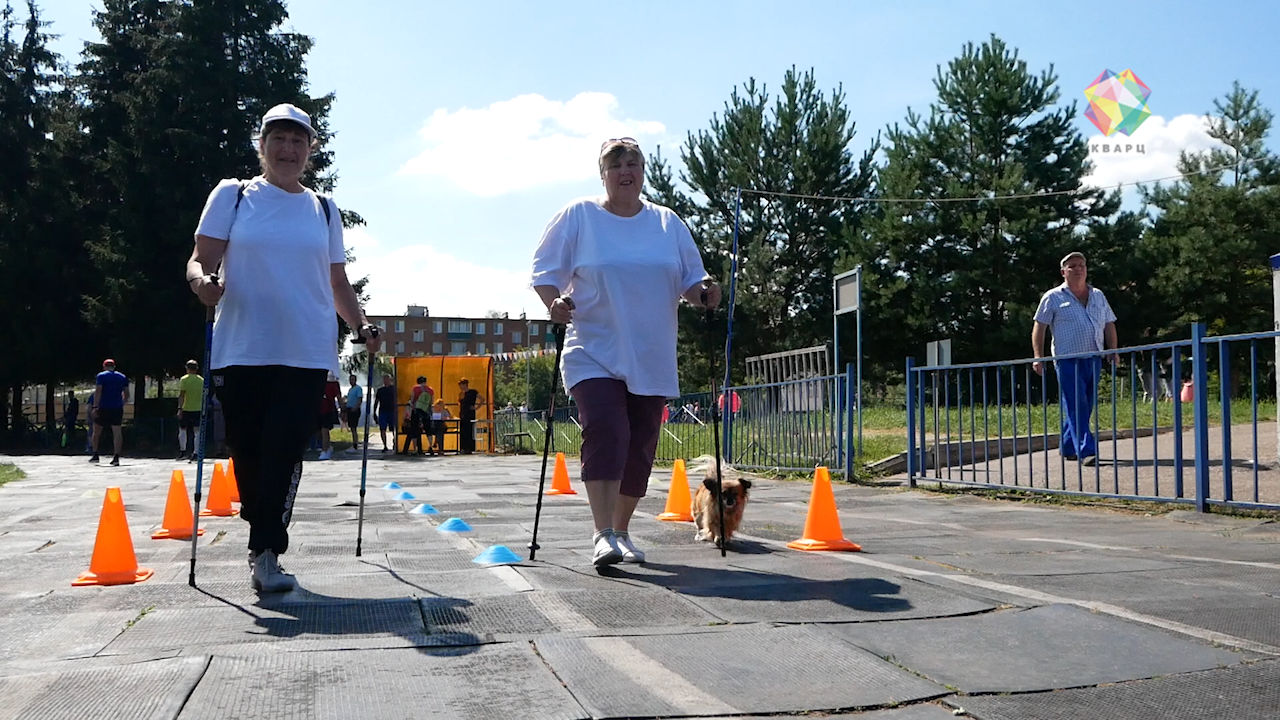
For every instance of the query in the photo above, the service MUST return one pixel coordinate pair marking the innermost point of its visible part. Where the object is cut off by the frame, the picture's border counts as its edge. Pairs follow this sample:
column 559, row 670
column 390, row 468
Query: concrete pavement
column 958, row 606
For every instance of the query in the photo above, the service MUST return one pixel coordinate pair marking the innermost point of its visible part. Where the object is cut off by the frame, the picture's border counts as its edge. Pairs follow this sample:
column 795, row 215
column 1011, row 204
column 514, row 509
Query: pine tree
column 1217, row 227
column 974, row 270
column 34, row 263
column 175, row 92
column 796, row 144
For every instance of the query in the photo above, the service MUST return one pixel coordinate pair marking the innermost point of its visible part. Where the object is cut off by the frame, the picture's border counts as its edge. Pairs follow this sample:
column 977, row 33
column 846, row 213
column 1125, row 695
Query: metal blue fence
column 786, row 426
column 1005, row 425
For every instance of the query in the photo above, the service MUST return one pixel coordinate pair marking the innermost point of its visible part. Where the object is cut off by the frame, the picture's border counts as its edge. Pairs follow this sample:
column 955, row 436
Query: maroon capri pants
column 619, row 433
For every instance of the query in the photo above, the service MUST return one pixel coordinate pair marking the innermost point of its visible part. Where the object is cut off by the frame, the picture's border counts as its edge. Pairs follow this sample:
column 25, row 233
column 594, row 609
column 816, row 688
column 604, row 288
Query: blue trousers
column 1077, row 386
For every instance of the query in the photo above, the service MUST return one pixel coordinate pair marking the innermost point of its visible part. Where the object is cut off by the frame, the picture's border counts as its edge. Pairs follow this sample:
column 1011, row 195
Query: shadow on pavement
column 862, row 594
column 302, row 612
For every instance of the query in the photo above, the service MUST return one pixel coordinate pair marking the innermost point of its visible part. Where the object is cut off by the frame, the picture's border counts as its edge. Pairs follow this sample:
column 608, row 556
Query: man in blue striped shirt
column 1082, row 322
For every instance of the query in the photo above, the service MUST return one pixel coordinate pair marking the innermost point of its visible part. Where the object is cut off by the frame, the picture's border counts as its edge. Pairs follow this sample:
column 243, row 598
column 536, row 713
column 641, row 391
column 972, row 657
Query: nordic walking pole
column 364, row 461
column 204, row 425
column 546, row 443
column 715, row 422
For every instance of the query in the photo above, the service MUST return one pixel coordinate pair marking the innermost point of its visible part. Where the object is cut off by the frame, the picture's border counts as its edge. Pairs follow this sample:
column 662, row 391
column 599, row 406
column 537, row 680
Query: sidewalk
column 958, row 602
column 1142, row 466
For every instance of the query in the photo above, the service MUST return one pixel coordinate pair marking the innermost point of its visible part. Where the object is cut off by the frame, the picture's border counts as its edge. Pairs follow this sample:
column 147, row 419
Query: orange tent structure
column 443, row 373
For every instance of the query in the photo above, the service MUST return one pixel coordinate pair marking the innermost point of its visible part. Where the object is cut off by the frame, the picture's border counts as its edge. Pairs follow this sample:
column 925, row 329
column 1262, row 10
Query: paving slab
column 1044, row 648
column 834, row 601
column 489, row 683
column 1255, row 615
column 485, row 619
column 54, row 636
column 440, row 561
column 386, row 623
column 719, row 673
column 1243, row 692
column 153, row 690
column 695, row 633
column 1052, row 563
column 920, row 711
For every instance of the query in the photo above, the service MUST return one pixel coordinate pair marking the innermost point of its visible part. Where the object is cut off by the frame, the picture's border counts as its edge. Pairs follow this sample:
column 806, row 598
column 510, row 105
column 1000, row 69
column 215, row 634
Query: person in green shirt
column 190, row 405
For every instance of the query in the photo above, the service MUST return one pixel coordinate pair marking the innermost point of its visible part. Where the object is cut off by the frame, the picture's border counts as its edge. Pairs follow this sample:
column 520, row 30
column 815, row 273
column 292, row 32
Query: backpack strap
column 328, row 214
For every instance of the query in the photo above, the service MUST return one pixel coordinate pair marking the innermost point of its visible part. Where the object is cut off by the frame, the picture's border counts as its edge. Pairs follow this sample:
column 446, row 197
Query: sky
column 463, row 127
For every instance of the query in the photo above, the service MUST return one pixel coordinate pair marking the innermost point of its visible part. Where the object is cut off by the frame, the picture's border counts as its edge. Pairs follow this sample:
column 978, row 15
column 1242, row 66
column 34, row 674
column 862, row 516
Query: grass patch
column 1131, row 507
column 9, row 473
column 1126, row 413
column 139, row 617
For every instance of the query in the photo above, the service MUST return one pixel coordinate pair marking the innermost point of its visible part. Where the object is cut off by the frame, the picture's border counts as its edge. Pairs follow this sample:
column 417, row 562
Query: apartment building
column 417, row 334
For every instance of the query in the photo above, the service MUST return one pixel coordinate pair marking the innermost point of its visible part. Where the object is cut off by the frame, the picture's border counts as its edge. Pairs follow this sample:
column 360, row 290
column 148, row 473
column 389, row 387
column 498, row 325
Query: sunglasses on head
column 621, row 140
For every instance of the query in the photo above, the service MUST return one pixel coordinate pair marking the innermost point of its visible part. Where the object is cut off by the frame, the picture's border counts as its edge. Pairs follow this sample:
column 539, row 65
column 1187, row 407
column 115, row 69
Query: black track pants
column 271, row 412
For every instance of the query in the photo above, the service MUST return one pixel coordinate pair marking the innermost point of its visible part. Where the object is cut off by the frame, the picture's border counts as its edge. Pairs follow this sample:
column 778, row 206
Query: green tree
column 797, row 145
column 36, row 260
column 358, row 363
column 1217, row 227
column 974, row 270
column 174, row 93
column 527, row 380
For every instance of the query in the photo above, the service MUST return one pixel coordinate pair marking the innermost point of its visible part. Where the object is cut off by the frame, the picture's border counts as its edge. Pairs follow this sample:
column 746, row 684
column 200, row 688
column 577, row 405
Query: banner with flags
column 523, row 354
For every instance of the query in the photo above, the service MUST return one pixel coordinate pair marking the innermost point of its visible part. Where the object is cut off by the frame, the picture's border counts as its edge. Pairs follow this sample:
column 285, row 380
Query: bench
column 507, row 439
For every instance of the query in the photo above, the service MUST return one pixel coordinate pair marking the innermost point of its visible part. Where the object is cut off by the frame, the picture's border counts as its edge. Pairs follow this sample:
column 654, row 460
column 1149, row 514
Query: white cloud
column 448, row 286
column 524, row 142
column 1162, row 140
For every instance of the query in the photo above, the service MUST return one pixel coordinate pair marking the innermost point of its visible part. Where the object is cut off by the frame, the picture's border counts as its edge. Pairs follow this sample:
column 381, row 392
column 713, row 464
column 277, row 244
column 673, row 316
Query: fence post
column 836, row 399
column 1200, row 384
column 726, row 422
column 849, row 388
column 1224, row 394
column 911, row 421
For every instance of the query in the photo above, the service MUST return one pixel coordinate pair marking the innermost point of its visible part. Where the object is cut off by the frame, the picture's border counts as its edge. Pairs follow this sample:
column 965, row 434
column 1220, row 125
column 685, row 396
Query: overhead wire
column 1016, row 196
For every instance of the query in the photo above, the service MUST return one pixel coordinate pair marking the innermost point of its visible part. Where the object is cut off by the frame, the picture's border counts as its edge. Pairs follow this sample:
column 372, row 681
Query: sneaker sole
column 258, row 586
column 610, row 559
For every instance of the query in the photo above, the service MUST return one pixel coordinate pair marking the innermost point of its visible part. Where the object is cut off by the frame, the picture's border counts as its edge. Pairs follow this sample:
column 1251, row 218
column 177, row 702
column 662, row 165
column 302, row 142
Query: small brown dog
column 706, row 514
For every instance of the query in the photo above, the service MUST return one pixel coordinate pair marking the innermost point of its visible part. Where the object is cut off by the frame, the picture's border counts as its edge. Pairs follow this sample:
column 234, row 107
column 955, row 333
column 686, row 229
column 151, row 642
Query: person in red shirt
column 419, row 414
column 328, row 415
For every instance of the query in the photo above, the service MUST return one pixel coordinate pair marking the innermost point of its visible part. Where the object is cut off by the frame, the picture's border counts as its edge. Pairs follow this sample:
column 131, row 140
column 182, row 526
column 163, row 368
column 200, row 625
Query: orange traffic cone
column 560, row 481
column 113, row 561
column 177, row 512
column 219, row 502
column 679, row 504
column 231, row 479
column 822, row 526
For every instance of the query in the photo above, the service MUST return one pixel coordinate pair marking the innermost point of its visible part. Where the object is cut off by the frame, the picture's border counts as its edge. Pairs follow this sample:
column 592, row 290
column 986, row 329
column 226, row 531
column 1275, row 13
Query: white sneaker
column 630, row 553
column 326, row 454
column 268, row 576
column 606, row 550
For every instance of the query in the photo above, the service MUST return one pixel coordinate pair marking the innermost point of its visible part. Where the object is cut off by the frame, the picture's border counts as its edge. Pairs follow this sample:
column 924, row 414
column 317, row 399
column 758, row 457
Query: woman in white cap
column 277, row 247
column 615, row 268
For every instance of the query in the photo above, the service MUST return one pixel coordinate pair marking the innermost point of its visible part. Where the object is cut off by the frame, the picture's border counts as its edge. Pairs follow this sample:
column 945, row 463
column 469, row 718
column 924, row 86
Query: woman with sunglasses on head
column 614, row 269
column 278, row 249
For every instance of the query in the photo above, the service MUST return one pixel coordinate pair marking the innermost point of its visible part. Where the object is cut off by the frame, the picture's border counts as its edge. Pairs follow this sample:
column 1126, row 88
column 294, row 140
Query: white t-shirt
column 277, row 308
column 626, row 276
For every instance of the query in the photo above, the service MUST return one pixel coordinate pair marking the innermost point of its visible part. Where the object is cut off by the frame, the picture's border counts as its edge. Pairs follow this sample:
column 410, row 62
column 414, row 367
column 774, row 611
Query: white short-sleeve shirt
column 625, row 276
column 1076, row 328
column 277, row 306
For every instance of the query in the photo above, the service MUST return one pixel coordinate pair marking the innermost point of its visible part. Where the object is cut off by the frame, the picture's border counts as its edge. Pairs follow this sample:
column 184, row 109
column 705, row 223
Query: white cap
column 285, row 111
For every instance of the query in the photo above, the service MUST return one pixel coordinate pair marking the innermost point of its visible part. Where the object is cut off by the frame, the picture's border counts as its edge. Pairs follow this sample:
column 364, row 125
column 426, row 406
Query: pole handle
column 357, row 338
column 210, row 310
